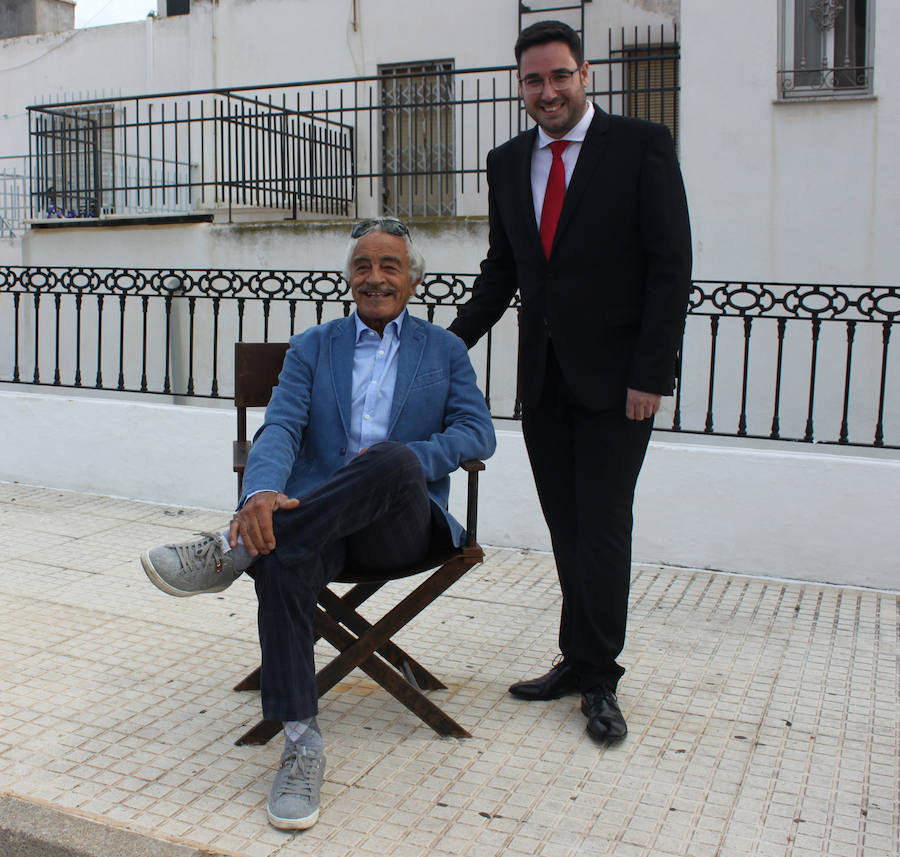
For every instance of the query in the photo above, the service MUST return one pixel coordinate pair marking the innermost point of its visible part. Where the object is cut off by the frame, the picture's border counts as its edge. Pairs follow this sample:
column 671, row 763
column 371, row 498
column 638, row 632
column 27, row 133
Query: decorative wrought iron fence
column 791, row 362
column 412, row 141
column 779, row 360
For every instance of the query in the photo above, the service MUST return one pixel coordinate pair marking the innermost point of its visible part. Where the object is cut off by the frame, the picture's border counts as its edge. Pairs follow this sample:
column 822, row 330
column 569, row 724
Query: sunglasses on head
column 386, row 224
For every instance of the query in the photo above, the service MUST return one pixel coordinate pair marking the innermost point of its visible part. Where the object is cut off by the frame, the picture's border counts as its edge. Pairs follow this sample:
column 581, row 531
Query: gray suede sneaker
column 195, row 567
column 294, row 799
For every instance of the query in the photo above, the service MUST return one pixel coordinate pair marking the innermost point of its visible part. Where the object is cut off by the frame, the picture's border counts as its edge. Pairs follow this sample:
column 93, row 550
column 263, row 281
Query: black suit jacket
column 613, row 295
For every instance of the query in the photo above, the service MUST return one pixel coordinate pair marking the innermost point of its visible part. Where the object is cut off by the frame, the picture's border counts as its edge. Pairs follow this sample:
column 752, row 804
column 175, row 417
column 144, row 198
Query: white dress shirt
column 542, row 157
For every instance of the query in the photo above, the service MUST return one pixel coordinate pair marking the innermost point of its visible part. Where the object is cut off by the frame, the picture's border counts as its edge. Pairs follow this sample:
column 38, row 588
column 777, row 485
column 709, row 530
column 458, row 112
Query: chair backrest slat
column 256, row 368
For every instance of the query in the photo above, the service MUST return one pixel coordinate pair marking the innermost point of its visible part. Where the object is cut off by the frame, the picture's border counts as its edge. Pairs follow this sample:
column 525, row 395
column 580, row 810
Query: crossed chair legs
column 369, row 647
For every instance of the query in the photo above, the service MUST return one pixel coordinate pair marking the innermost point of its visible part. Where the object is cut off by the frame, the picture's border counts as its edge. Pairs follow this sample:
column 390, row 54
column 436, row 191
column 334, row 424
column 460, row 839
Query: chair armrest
column 472, row 466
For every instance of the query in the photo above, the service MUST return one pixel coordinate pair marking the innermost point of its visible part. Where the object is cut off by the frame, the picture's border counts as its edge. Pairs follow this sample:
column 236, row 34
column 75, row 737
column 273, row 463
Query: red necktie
column 553, row 196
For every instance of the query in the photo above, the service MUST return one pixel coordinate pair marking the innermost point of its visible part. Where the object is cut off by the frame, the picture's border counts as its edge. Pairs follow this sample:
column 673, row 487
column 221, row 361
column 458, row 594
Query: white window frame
column 810, row 69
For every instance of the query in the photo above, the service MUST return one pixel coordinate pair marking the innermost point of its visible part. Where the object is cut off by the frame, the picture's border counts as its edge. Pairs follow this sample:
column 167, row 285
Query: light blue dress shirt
column 374, row 378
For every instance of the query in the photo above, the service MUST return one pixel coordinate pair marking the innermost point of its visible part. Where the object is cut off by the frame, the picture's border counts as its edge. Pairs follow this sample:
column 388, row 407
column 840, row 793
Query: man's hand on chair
column 254, row 521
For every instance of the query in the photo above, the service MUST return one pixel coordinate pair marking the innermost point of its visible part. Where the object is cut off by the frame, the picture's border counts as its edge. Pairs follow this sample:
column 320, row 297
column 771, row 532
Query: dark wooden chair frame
column 360, row 643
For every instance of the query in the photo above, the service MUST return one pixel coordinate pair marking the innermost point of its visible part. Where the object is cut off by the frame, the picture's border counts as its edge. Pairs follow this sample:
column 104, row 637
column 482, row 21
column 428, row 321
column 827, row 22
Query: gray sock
column 240, row 557
column 303, row 732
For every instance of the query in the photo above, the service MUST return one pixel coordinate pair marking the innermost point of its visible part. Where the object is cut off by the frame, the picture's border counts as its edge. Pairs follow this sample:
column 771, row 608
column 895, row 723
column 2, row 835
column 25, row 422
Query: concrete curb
column 32, row 830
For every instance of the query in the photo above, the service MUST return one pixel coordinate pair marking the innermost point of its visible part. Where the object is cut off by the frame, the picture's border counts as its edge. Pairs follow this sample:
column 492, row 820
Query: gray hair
column 416, row 259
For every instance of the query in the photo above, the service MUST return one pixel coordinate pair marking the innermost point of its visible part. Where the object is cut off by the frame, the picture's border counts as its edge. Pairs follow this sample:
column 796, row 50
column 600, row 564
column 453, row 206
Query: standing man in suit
column 588, row 220
column 370, row 416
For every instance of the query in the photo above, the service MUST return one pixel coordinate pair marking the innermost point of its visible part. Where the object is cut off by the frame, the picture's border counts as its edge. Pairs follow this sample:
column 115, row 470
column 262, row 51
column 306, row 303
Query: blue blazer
column 438, row 411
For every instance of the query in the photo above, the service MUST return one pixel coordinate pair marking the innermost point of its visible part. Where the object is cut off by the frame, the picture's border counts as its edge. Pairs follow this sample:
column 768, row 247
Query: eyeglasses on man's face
column 533, row 84
column 386, row 224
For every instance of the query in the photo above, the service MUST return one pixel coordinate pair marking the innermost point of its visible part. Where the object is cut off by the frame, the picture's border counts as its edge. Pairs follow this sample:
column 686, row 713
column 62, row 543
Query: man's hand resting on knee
column 253, row 521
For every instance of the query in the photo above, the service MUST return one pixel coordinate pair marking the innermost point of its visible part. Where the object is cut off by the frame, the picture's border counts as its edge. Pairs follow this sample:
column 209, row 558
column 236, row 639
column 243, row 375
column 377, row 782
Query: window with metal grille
column 418, row 147
column 75, row 163
column 651, row 84
column 826, row 48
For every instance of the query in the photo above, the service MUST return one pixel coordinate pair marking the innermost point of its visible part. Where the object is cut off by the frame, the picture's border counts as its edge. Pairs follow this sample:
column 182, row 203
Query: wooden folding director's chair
column 359, row 642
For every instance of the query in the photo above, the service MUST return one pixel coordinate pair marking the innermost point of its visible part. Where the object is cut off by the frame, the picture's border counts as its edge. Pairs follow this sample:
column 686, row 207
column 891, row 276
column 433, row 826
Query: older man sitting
column 370, row 416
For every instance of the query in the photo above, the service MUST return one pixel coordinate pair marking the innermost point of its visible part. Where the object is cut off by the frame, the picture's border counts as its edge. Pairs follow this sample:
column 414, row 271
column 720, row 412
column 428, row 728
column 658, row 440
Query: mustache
column 378, row 290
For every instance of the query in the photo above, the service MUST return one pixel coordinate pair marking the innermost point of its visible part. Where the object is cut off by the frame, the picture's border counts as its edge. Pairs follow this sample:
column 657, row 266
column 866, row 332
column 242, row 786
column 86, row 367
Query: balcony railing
column 14, row 202
column 836, row 82
column 789, row 362
column 404, row 142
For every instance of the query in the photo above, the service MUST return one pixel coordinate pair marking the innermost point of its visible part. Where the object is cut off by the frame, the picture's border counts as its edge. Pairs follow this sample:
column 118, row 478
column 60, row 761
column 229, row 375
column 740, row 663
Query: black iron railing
column 793, row 362
column 185, row 152
column 836, row 82
column 780, row 361
column 409, row 141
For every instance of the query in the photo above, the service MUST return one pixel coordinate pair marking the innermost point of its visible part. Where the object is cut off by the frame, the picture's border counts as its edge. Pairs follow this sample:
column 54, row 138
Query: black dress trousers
column 586, row 464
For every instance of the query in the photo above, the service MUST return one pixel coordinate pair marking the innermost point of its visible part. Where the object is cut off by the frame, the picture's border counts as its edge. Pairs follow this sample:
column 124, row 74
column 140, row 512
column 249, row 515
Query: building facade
column 243, row 134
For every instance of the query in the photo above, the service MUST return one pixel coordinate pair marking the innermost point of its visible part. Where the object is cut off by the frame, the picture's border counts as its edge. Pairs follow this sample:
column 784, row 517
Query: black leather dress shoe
column 561, row 679
column 604, row 717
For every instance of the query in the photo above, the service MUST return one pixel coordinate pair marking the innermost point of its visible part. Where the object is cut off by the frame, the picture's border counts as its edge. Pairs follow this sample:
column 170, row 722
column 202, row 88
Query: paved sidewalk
column 763, row 715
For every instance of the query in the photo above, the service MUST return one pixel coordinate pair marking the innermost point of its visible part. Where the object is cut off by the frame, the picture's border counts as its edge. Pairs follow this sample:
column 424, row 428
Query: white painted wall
column 10, row 251
column 456, row 244
column 828, row 517
column 791, row 192
column 798, row 192
column 231, row 43
column 224, row 43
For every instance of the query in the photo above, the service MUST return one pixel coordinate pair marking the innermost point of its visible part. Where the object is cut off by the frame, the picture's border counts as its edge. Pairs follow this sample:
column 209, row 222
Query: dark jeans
column 374, row 511
column 586, row 464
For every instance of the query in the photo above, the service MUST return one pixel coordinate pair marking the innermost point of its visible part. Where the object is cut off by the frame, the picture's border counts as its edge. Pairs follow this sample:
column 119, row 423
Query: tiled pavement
column 763, row 715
